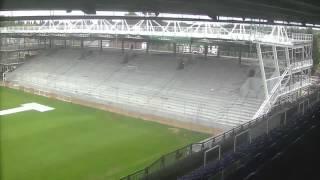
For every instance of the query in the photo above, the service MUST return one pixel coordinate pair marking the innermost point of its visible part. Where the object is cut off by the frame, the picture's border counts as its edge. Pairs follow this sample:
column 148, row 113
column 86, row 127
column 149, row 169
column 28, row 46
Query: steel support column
column 275, row 59
column 285, row 117
column 147, row 48
column 100, row 43
column 50, row 43
column 263, row 74
column 267, row 125
column 205, row 51
column 81, row 43
column 240, row 54
column 288, row 65
column 122, row 46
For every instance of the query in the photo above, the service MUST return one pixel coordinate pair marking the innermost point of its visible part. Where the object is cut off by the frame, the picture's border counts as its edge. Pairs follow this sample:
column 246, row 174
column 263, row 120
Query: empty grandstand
column 204, row 92
column 206, row 89
column 246, row 85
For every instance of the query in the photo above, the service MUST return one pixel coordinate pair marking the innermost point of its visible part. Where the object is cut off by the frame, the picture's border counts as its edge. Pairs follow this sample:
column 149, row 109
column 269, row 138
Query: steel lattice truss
column 290, row 53
column 166, row 28
column 292, row 75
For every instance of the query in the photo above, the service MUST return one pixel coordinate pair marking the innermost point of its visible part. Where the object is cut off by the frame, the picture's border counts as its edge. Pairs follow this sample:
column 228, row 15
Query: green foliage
column 131, row 14
column 13, row 23
column 315, row 52
column 74, row 142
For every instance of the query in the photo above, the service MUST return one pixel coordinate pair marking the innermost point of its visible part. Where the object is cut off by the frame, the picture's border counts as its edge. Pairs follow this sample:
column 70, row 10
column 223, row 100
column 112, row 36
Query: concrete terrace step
column 202, row 92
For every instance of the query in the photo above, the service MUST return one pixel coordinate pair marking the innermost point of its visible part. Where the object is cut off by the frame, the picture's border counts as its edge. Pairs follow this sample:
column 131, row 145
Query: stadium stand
column 149, row 83
column 250, row 156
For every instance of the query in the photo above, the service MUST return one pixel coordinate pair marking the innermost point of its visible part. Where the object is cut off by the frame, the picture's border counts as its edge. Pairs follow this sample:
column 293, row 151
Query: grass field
column 73, row 142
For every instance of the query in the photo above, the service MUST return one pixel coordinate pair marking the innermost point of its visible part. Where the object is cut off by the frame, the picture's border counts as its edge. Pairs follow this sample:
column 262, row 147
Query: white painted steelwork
column 166, row 28
column 292, row 74
column 298, row 63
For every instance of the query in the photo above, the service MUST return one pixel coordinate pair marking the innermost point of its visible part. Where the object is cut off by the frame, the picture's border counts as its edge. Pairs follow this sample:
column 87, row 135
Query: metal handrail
column 171, row 29
column 216, row 139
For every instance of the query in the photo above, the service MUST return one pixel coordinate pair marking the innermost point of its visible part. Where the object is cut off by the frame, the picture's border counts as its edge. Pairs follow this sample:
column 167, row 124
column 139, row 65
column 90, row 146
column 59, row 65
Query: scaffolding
column 285, row 58
column 289, row 70
column 165, row 28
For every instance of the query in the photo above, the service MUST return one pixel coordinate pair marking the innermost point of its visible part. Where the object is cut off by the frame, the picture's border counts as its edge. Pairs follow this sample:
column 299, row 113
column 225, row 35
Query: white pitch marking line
column 27, row 107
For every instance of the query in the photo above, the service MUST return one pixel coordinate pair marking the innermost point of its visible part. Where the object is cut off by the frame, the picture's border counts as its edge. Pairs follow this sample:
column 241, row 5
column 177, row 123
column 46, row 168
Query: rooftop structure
column 286, row 55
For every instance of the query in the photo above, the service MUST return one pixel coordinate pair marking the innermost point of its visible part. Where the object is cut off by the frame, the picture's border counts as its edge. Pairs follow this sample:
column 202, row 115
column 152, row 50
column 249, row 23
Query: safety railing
column 301, row 37
column 22, row 46
column 195, row 148
column 273, row 95
column 169, row 29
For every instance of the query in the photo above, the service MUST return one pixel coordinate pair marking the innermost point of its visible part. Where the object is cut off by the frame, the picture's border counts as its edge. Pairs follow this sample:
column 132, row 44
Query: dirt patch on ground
column 174, row 130
column 147, row 117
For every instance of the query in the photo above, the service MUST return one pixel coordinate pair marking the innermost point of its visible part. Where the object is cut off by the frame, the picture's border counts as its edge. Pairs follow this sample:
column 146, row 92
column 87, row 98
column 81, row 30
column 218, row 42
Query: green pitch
column 74, row 142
